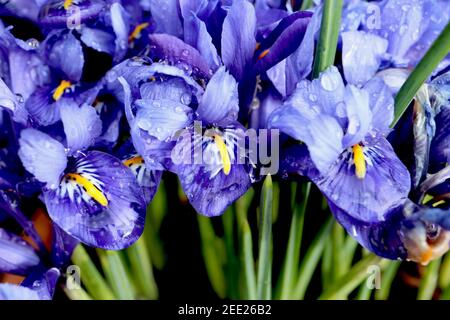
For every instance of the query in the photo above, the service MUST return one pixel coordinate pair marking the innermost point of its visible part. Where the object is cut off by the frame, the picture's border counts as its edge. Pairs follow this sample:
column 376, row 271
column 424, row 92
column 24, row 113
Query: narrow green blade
column 429, row 62
column 265, row 240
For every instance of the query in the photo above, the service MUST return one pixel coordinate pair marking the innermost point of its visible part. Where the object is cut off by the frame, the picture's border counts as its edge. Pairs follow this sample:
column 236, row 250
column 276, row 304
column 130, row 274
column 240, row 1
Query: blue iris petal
column 43, row 156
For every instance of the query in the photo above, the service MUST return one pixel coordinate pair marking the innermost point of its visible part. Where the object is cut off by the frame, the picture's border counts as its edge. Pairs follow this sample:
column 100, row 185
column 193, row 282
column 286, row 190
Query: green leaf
column 246, row 245
column 265, row 241
column 117, row 274
column 386, row 280
column 156, row 212
column 142, row 269
column 310, row 261
column 329, row 34
column 444, row 277
column 306, row 4
column 213, row 254
column 439, row 49
column 351, row 280
column 291, row 260
column 429, row 281
column 90, row 276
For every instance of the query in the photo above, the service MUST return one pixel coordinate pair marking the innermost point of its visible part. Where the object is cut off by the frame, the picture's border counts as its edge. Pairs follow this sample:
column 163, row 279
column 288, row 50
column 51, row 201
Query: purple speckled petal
column 82, row 125
column 167, row 18
column 114, row 225
column 362, row 54
column 385, row 185
column 219, row 104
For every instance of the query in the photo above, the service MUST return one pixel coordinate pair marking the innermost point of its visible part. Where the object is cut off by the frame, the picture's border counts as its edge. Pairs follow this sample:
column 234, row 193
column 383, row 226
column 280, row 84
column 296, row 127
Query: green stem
column 265, row 240
column 337, row 236
column 329, row 34
column 444, row 277
column 90, row 276
column 77, row 294
column 310, row 261
column 232, row 264
column 386, row 280
column 439, row 49
column 213, row 256
column 155, row 214
column 429, row 281
column 364, row 292
column 246, row 248
column 142, row 269
column 116, row 273
column 327, row 265
column 347, row 283
column 306, row 4
column 291, row 260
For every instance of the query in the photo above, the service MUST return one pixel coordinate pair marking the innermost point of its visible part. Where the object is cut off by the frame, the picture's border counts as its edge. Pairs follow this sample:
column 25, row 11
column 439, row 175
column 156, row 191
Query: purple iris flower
column 344, row 129
column 90, row 194
column 171, row 100
column 391, row 33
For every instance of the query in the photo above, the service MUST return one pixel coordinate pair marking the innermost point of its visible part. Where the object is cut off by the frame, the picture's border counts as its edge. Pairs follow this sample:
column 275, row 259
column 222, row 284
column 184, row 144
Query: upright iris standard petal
column 66, row 55
column 98, row 202
column 165, row 14
column 82, row 125
column 163, row 111
column 202, row 40
column 400, row 26
column 121, row 30
column 381, row 104
column 362, row 54
column 385, row 184
column 16, row 256
column 359, row 115
column 220, row 102
column 43, row 156
column 238, row 37
column 177, row 52
column 283, row 40
column 98, row 39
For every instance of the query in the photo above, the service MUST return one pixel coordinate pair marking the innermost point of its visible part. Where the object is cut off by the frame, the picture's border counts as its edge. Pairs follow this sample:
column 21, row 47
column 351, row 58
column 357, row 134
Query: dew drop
column 185, row 53
column 330, row 81
column 403, row 29
column 186, row 98
column 33, row 43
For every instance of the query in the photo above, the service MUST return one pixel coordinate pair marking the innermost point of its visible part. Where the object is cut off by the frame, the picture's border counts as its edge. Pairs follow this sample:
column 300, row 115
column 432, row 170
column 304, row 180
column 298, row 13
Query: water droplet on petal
column 330, row 81
column 185, row 53
column 403, row 29
column 33, row 43
column 186, row 98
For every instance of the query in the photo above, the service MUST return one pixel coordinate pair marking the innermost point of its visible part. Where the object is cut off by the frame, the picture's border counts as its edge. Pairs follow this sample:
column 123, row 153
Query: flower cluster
column 100, row 97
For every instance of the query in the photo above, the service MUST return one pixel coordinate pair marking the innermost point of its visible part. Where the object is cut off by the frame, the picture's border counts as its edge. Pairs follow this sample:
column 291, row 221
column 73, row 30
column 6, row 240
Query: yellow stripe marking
column 223, row 153
column 67, row 4
column 133, row 161
column 90, row 188
column 360, row 162
column 59, row 91
column 263, row 54
column 137, row 31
